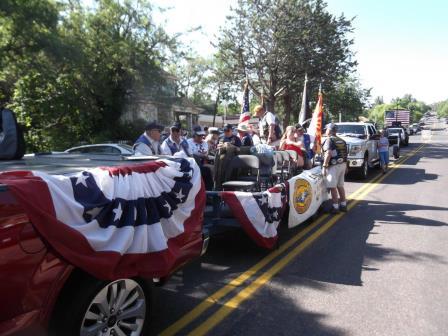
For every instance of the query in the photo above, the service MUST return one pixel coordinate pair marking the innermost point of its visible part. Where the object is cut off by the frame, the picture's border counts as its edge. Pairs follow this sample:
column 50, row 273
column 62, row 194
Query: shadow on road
column 340, row 256
column 344, row 252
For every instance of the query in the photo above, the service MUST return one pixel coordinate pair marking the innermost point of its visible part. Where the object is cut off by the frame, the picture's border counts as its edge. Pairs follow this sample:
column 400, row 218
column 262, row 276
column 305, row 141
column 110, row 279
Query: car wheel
column 118, row 307
column 363, row 172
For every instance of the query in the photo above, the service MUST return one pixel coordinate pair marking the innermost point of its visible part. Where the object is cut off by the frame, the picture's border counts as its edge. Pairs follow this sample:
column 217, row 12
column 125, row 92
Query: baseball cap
column 197, row 130
column 227, row 127
column 213, row 130
column 256, row 109
column 176, row 126
column 153, row 125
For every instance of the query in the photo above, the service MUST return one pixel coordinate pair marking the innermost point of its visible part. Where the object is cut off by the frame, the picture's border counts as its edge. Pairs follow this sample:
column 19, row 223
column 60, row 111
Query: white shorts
column 335, row 175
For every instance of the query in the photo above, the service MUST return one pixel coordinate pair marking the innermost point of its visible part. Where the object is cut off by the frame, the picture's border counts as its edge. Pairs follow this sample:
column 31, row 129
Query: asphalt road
column 380, row 269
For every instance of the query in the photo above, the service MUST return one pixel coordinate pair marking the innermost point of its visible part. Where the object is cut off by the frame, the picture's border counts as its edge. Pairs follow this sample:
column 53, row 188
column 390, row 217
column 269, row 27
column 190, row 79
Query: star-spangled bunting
column 259, row 213
column 143, row 219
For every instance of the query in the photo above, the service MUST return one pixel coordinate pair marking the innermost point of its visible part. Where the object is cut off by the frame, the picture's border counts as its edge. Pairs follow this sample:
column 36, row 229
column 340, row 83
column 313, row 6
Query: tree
column 67, row 72
column 417, row 108
column 274, row 43
column 348, row 98
column 442, row 108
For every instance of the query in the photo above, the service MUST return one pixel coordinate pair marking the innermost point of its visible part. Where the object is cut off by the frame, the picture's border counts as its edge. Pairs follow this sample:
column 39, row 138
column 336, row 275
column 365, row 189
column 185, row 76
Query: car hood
column 352, row 140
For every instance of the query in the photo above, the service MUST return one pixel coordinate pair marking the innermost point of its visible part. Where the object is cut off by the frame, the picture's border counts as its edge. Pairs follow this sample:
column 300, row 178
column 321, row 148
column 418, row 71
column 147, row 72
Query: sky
column 401, row 46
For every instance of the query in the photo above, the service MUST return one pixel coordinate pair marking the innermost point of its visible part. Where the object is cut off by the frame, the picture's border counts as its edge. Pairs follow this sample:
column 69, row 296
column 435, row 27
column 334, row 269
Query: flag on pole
column 303, row 115
column 315, row 129
column 245, row 113
column 134, row 220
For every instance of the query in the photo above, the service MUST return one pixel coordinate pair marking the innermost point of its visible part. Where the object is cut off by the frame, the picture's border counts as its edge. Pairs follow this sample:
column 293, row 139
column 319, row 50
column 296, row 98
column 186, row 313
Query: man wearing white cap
column 197, row 145
column 149, row 142
column 243, row 134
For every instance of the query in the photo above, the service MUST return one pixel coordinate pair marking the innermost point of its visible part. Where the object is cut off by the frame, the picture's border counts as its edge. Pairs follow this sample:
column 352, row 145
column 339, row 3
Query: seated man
column 175, row 143
column 212, row 140
column 198, row 147
column 243, row 134
column 229, row 137
column 149, row 142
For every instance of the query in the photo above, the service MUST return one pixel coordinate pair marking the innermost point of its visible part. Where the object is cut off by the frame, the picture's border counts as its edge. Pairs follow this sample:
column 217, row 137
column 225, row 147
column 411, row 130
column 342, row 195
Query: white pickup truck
column 362, row 141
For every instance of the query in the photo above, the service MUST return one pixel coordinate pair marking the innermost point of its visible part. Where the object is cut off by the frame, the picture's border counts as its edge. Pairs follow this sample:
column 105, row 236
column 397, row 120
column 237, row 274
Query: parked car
column 102, row 149
column 414, row 129
column 362, row 141
column 394, row 131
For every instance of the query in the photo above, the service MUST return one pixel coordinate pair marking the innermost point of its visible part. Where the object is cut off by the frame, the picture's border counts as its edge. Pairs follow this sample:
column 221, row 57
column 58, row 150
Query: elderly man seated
column 149, row 142
column 175, row 142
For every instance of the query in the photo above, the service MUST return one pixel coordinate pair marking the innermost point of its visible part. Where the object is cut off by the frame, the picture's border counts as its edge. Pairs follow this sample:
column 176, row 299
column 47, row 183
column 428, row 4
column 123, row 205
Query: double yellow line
column 252, row 287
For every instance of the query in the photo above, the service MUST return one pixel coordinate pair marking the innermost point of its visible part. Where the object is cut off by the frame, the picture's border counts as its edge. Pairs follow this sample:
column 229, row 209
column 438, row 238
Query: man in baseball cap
column 149, row 142
column 228, row 137
column 175, row 142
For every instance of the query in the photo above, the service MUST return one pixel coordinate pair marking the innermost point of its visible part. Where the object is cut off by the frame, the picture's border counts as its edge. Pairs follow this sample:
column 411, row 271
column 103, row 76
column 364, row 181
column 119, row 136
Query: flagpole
column 304, row 107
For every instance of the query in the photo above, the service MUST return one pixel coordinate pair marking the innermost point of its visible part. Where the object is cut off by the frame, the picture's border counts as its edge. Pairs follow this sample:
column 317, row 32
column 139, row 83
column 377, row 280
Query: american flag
column 125, row 221
column 260, row 213
column 245, row 113
column 401, row 116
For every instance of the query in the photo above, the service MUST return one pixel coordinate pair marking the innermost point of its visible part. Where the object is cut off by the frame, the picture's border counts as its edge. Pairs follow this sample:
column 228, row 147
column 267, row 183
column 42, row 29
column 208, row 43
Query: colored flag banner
column 245, row 113
column 136, row 220
column 315, row 129
column 307, row 192
column 259, row 213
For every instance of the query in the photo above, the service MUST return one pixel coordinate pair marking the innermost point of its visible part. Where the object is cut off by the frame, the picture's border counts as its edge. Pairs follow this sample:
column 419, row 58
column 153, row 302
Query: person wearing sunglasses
column 149, row 142
column 175, row 142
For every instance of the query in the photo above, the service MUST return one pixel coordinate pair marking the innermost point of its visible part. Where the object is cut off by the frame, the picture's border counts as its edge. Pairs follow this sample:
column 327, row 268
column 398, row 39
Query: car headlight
column 355, row 149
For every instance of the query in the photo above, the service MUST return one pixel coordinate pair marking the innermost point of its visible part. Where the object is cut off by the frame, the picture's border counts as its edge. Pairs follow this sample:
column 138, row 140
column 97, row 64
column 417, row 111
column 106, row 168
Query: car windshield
column 351, row 129
column 394, row 130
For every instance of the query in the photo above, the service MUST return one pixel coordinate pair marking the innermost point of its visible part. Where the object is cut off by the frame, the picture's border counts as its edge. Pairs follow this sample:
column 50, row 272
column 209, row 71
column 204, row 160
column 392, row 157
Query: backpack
column 12, row 142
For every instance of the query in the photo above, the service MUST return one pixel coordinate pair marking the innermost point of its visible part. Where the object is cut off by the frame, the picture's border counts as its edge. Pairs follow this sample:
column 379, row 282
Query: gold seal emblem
column 303, row 194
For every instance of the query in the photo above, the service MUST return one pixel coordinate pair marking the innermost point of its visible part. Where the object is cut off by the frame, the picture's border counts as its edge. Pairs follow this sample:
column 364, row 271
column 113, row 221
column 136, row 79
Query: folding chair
column 247, row 168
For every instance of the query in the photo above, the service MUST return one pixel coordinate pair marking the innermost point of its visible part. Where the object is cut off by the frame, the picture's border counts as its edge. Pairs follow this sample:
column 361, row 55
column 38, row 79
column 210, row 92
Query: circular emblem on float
column 303, row 194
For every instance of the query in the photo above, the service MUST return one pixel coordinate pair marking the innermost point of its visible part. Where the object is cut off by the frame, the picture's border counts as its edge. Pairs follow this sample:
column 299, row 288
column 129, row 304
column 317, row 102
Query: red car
column 41, row 291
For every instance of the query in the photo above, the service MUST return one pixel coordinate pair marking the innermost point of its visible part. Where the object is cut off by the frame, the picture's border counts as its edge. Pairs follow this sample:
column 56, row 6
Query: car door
column 371, row 144
column 375, row 141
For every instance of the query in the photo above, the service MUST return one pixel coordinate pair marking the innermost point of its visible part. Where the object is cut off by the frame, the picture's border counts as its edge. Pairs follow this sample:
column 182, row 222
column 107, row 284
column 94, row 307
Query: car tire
column 363, row 171
column 104, row 306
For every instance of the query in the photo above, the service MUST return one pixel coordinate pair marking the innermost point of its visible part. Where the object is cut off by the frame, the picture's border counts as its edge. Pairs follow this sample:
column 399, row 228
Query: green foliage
column 417, row 108
column 67, row 72
column 442, row 108
column 274, row 43
column 348, row 98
